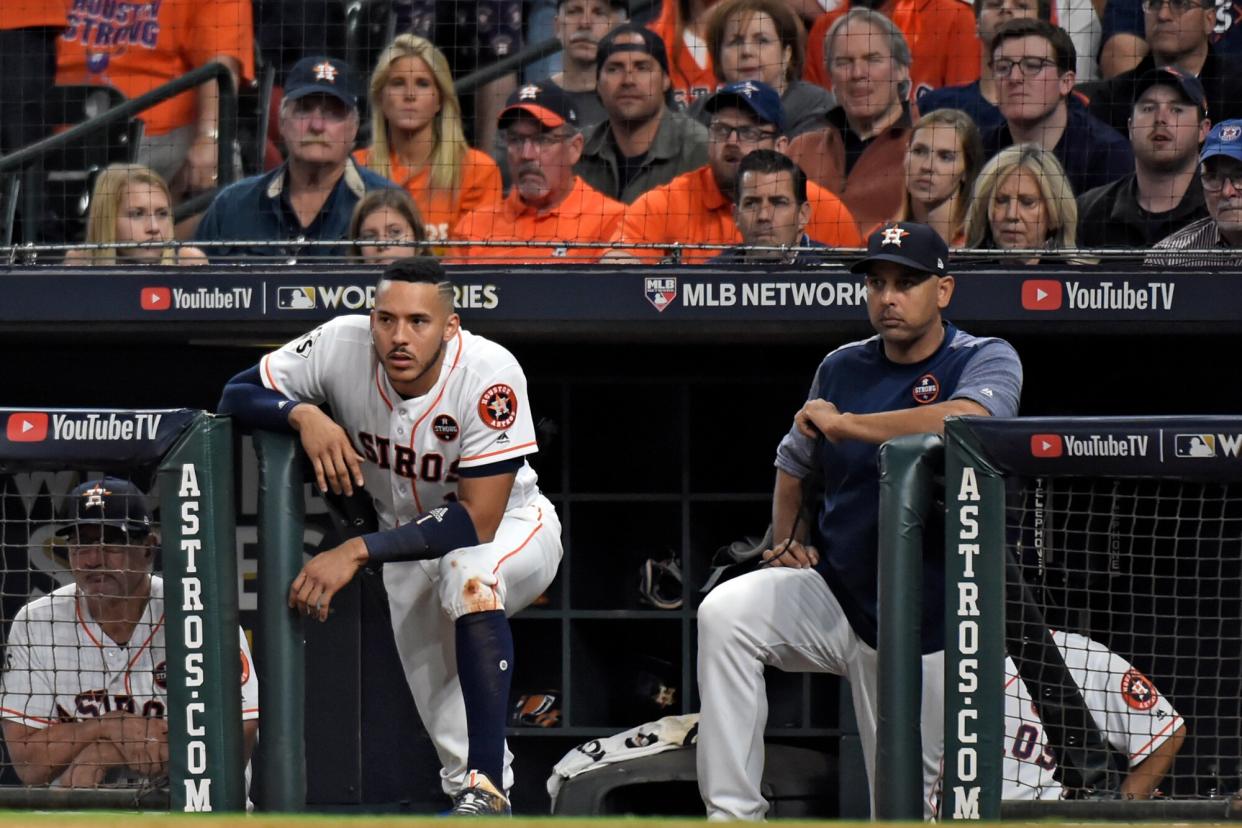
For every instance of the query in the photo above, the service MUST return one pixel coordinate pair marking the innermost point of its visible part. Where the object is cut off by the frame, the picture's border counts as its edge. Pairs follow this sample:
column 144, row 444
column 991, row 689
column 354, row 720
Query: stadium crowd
column 1010, row 124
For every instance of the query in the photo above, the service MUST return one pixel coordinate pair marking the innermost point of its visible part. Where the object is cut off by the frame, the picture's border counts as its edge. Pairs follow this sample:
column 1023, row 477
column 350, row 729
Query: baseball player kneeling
column 435, row 423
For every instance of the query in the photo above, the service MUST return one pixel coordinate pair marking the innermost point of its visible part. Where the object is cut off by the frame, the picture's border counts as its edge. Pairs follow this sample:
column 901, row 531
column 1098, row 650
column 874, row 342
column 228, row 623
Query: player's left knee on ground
column 468, row 584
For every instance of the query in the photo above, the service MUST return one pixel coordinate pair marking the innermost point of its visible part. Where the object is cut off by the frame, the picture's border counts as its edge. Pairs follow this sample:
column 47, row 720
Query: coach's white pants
column 789, row 619
column 425, row 600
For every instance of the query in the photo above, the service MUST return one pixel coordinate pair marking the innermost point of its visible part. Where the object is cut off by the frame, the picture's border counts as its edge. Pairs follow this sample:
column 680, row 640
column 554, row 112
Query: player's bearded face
column 904, row 306
column 105, row 563
column 409, row 328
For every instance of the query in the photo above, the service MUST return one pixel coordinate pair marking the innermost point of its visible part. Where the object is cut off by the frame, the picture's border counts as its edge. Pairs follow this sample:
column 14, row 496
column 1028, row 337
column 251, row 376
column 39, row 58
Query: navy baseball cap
column 652, row 44
column 909, row 244
column 756, row 96
column 110, row 501
column 546, row 102
column 1224, row 139
column 322, row 75
column 1172, row 76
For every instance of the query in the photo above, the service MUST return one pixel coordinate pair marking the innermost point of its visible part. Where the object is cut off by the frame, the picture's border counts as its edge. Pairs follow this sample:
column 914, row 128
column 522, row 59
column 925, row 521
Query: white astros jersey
column 477, row 413
column 1127, row 708
column 61, row 667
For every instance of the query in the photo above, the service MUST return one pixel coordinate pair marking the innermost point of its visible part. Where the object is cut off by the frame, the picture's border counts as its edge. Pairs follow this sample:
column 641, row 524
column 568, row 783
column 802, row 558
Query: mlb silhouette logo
column 1194, row 445
column 295, row 298
column 661, row 291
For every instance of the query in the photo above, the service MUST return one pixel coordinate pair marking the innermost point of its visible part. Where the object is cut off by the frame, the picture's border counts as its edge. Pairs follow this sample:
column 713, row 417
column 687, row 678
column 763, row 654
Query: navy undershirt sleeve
column 253, row 405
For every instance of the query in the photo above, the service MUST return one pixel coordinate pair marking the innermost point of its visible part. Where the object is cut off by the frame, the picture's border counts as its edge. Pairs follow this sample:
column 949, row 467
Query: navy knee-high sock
column 485, row 668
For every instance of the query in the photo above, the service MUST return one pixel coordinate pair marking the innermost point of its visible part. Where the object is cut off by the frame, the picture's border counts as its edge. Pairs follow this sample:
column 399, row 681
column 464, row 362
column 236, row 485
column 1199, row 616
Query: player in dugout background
column 444, row 423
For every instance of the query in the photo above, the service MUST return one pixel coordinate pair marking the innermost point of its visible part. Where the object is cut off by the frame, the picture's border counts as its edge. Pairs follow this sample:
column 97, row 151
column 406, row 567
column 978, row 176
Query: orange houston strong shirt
column 690, row 80
column 585, row 215
column 137, row 46
column 944, row 45
column 691, row 209
column 441, row 209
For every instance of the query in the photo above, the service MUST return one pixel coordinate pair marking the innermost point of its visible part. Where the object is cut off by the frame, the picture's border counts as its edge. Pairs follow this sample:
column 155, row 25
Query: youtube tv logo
column 155, row 298
column 1041, row 294
column 1046, row 445
column 27, row 427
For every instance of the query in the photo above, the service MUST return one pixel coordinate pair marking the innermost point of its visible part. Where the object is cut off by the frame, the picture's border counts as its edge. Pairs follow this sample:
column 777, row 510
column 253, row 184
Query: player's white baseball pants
column 425, row 598
column 789, row 619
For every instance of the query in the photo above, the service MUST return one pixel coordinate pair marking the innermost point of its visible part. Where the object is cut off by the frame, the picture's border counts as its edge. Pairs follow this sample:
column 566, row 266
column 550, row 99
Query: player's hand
column 91, row 765
column 791, row 553
column 323, row 577
column 141, row 741
column 819, row 417
column 336, row 462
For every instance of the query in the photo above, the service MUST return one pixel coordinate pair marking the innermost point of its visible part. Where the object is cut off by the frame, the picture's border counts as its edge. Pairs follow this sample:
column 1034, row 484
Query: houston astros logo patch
column 498, row 407
column 926, row 389
column 160, row 676
column 445, row 428
column 1137, row 691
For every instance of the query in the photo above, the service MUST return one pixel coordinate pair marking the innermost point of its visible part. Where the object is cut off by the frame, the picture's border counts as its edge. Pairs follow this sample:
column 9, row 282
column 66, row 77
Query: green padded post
column 907, row 467
column 974, row 658
column 198, row 532
column 280, row 656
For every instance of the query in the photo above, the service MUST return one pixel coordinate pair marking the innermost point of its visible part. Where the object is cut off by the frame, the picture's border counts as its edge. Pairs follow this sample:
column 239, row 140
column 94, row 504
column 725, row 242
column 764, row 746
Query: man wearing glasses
column 1220, row 173
column 547, row 202
column 312, row 195
column 697, row 207
column 1033, row 63
column 1180, row 33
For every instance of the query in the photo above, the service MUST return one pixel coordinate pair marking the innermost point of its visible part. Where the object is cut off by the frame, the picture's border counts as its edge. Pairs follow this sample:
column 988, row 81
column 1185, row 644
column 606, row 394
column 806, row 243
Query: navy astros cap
column 1172, row 76
column 651, row 44
column 909, row 244
column 1224, row 139
column 322, row 75
column 756, row 96
column 546, row 102
column 108, row 502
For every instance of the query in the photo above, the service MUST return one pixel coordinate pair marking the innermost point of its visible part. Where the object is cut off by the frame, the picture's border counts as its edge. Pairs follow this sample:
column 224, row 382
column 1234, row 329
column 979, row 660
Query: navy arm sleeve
column 247, row 400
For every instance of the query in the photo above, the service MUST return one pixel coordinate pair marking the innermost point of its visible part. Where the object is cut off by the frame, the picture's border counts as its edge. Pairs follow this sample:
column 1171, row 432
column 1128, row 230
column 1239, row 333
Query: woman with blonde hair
column 1023, row 201
column 382, row 217
column 417, row 139
column 942, row 162
column 131, row 203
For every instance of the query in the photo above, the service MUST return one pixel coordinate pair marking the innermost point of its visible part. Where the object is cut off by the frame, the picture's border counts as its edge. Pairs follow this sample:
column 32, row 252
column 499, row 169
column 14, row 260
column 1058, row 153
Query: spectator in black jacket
column 1179, row 33
column 1033, row 62
column 1167, row 125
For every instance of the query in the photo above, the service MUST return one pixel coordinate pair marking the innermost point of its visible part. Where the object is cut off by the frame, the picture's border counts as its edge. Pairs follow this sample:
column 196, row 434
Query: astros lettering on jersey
column 60, row 666
column 476, row 414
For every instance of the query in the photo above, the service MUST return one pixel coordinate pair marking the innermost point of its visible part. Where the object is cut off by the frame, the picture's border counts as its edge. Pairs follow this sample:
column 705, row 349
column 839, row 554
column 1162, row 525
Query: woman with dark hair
column 382, row 219
column 763, row 40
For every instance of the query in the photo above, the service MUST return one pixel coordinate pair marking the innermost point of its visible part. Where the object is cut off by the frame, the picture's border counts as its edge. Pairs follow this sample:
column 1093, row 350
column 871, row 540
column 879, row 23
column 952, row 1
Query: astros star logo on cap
column 95, row 495
column 528, row 93
column 893, row 235
column 325, row 72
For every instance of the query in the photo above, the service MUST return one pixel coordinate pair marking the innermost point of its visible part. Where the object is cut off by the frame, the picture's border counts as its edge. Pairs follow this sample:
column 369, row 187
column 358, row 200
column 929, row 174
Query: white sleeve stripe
column 1157, row 740
column 497, row 453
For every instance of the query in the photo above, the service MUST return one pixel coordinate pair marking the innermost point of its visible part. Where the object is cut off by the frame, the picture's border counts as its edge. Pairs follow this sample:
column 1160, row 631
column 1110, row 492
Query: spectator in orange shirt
column 697, row 207
column 682, row 25
column 548, row 202
column 417, row 138
column 858, row 154
column 136, row 47
column 941, row 34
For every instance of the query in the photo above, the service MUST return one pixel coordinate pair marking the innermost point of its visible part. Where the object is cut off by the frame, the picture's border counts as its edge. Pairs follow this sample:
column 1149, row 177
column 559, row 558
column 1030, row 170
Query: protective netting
column 1140, row 582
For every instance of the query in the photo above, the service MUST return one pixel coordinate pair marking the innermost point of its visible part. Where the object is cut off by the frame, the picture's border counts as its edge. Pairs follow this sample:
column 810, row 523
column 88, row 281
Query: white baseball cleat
column 480, row 798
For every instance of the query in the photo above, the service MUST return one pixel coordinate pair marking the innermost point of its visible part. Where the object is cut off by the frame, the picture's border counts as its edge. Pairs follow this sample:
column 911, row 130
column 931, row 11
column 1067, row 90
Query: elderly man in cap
column 1220, row 175
column 812, row 606
column 643, row 143
column 548, row 202
column 1168, row 122
column 697, row 207
column 312, row 195
column 84, row 697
